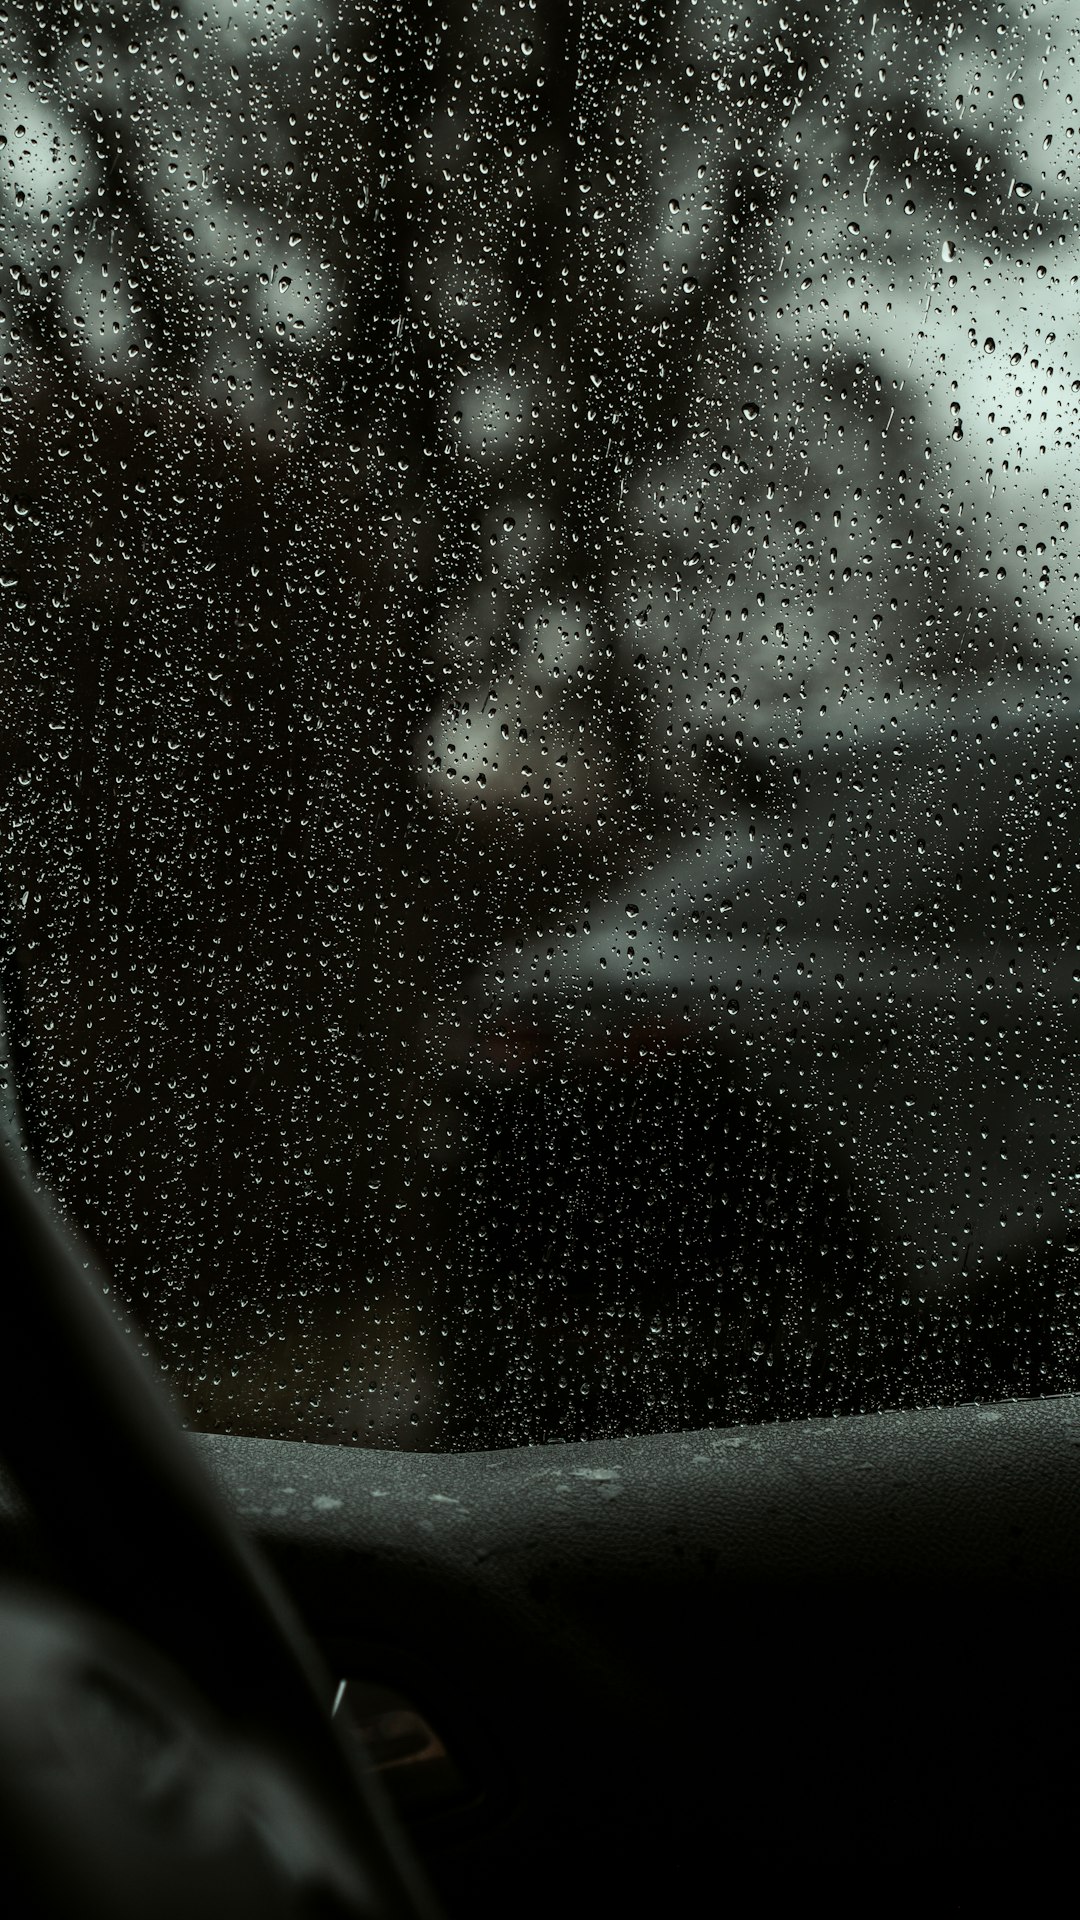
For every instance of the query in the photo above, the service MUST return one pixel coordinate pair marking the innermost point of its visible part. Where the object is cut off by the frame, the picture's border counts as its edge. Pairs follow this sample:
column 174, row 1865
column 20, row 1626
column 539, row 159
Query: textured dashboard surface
column 839, row 1653
column 964, row 1491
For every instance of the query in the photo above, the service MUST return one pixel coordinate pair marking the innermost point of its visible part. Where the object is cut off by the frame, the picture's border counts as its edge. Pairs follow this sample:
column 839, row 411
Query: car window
column 538, row 834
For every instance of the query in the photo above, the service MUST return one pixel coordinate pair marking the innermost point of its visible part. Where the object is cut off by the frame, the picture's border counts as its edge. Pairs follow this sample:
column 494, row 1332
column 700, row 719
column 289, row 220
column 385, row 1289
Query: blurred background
column 537, row 700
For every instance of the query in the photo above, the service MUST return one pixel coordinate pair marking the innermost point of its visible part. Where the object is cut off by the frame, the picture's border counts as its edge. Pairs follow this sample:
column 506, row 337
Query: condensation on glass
column 538, row 836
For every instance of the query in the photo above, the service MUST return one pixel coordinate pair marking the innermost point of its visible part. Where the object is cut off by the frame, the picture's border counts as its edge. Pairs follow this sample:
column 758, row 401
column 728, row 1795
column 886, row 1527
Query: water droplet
column 989, row 343
column 1022, row 189
column 751, row 410
column 1018, row 100
column 948, row 250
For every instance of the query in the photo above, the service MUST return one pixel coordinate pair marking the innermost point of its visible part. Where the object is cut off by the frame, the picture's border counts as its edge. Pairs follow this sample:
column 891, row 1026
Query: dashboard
column 830, row 1657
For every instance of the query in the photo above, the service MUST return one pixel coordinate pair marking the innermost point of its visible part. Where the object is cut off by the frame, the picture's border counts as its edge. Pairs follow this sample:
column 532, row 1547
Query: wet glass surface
column 538, row 703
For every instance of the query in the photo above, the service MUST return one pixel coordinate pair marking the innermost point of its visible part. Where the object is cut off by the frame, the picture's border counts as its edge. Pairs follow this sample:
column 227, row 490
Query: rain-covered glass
column 539, row 828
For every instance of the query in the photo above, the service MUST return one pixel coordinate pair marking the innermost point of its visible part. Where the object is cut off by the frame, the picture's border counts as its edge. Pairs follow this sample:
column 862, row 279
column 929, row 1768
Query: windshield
column 538, row 832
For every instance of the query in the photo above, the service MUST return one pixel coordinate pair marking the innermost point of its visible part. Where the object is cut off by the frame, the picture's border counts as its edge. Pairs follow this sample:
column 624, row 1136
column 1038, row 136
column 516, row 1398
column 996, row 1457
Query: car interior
column 540, row 1324
column 826, row 1659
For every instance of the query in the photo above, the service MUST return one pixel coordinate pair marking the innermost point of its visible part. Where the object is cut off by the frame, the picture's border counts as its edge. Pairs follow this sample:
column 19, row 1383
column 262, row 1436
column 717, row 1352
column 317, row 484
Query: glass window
column 538, row 836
